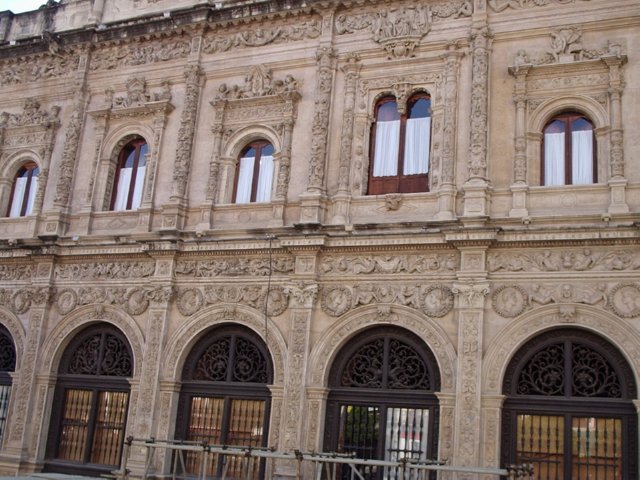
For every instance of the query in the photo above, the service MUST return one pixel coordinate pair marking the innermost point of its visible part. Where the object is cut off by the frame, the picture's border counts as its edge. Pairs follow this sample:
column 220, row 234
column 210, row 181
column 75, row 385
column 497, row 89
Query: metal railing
column 322, row 465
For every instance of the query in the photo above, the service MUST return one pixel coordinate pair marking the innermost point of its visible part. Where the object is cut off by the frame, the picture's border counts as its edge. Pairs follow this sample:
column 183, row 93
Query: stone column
column 476, row 188
column 617, row 181
column 470, row 295
column 446, row 440
column 342, row 199
column 520, row 187
column 213, row 195
column 302, row 299
column 445, row 188
column 312, row 201
column 175, row 212
column 491, row 422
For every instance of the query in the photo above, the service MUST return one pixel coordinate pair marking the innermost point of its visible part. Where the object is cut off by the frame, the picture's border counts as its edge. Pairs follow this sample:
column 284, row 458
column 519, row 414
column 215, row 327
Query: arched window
column 132, row 162
column 90, row 403
column 568, row 408
column 569, row 153
column 382, row 403
column 224, row 398
column 254, row 175
column 7, row 364
column 400, row 145
column 23, row 190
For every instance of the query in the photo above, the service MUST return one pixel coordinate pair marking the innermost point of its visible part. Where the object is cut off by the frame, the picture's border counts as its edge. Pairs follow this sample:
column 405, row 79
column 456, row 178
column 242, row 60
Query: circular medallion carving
column 337, row 301
column 189, row 301
column 137, row 302
column 437, row 301
column 277, row 302
column 624, row 300
column 21, row 301
column 66, row 301
column 509, row 301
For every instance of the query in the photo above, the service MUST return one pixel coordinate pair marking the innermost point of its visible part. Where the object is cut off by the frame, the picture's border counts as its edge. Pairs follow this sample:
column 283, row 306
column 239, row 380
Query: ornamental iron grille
column 382, row 402
column 225, row 399
column 569, row 410
column 91, row 403
column 7, row 364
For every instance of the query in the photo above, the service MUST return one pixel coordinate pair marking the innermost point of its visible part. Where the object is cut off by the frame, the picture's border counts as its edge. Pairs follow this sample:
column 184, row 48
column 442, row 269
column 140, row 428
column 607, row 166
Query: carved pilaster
column 302, row 298
column 470, row 298
column 491, row 421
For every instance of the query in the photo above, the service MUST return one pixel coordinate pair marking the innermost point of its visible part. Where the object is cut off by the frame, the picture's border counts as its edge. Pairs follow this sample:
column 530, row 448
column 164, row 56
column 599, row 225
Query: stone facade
column 476, row 266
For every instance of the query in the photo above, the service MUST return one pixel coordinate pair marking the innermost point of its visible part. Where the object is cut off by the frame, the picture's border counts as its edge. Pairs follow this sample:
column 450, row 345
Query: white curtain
column 265, row 179
column 18, row 196
column 582, row 157
column 245, row 180
column 33, row 189
column 124, row 181
column 554, row 159
column 385, row 160
column 138, row 188
column 416, row 146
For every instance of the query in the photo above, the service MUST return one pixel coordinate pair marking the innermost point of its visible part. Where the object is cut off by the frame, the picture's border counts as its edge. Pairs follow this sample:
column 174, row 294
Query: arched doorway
column 568, row 408
column 7, row 365
column 382, row 403
column 225, row 399
column 90, row 403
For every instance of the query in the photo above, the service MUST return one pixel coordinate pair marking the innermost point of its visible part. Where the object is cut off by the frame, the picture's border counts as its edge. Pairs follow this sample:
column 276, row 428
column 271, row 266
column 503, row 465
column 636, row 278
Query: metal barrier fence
column 323, row 465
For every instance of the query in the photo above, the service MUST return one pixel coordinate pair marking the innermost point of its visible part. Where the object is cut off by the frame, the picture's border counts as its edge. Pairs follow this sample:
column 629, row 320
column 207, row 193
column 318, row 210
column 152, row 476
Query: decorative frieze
column 32, row 114
column 500, row 5
column 191, row 300
column 261, row 36
column 234, row 267
column 26, row 70
column 433, row 300
column 564, row 260
column 389, row 264
column 135, row 301
column 136, row 54
column 104, row 270
column 17, row 272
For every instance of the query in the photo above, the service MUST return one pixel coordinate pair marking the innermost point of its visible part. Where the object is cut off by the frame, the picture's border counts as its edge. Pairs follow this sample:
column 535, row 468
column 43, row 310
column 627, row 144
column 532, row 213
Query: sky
column 19, row 6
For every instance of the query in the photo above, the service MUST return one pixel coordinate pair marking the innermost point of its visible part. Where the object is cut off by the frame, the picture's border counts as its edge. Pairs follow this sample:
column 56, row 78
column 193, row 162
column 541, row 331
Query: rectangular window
column 75, row 424
column 109, row 428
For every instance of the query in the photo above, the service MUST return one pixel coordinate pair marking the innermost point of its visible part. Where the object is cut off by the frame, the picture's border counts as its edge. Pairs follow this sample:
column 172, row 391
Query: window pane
column 385, row 161
column 359, row 432
column 540, row 441
column 5, row 392
column 205, row 425
column 138, row 187
column 416, row 148
column 75, row 420
column 265, row 179
column 245, row 180
column 554, row 159
column 582, row 157
column 109, row 427
column 18, row 196
column 245, row 429
column 420, row 108
column 124, row 183
column 33, row 189
column 405, row 437
column 596, row 448
column 142, row 159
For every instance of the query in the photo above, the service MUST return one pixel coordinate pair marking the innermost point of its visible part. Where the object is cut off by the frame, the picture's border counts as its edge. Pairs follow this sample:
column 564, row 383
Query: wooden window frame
column 567, row 118
column 398, row 183
column 258, row 145
column 132, row 146
column 29, row 168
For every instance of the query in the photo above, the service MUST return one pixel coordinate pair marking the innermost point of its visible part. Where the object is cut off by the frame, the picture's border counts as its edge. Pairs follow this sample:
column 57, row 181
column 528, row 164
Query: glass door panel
column 110, row 422
column 540, row 441
column 205, row 425
column 596, row 448
column 246, row 426
column 75, row 424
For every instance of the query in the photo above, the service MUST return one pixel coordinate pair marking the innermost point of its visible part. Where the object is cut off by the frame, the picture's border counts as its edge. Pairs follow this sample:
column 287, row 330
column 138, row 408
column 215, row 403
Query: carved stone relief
column 564, row 260
column 433, row 300
column 135, row 301
column 500, row 5
column 191, row 300
column 32, row 114
column 389, row 264
column 38, row 68
column 400, row 30
column 17, row 272
column 234, row 266
column 104, row 270
column 262, row 35
column 139, row 53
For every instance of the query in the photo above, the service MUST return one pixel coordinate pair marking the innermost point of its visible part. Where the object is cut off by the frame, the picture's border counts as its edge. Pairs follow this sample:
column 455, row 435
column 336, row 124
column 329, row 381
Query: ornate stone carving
column 260, row 36
column 624, row 300
column 186, row 132
column 500, row 5
column 566, row 46
column 32, row 114
column 509, row 301
column 68, row 160
column 434, row 300
column 119, row 56
column 36, row 68
column 104, row 270
column 564, row 260
column 471, row 294
column 66, row 301
column 400, row 30
column 191, row 300
column 233, row 267
column 259, row 83
column 389, row 264
column 135, row 301
column 325, row 58
column 17, row 272
column 137, row 94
